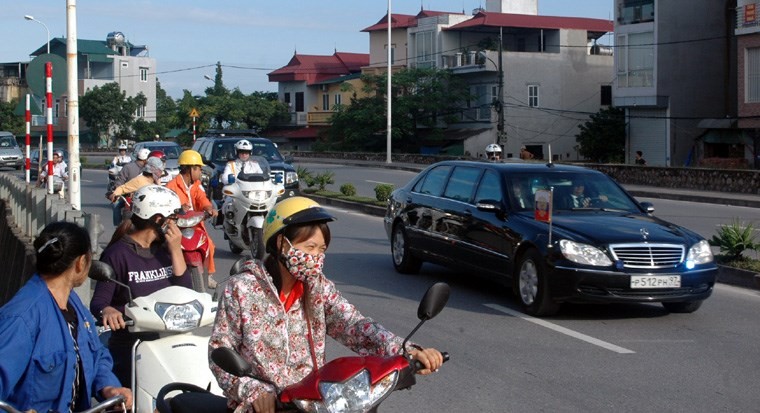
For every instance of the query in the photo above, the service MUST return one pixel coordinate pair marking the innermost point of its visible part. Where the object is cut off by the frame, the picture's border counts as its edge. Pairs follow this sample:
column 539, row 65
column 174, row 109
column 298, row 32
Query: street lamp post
column 31, row 18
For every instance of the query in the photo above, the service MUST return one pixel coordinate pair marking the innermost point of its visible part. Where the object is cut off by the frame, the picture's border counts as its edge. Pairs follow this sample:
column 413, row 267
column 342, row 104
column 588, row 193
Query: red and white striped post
column 49, row 110
column 193, row 128
column 28, row 118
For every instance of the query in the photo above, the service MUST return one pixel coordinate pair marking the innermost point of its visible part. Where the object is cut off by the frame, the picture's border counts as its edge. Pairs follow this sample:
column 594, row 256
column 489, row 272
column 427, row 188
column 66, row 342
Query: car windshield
column 225, row 151
column 171, row 151
column 7, row 142
column 571, row 191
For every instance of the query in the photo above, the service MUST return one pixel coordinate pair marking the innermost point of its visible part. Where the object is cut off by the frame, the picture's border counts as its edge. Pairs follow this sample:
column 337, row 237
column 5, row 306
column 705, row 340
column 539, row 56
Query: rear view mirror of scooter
column 232, row 362
column 432, row 303
column 101, row 271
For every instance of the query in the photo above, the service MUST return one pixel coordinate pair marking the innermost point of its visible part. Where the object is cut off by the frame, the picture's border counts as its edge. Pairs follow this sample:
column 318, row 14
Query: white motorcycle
column 248, row 200
column 180, row 354
column 113, row 172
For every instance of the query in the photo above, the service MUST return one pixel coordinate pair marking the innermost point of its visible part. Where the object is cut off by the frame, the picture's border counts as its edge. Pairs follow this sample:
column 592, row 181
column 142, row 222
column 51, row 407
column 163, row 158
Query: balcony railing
column 320, row 118
column 485, row 60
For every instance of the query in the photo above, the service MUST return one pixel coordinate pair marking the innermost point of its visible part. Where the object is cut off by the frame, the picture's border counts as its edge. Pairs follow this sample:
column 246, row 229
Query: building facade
column 675, row 78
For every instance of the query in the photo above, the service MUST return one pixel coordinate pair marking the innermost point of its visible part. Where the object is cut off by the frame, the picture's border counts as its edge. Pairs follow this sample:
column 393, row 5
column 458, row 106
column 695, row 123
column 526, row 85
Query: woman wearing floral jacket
column 277, row 314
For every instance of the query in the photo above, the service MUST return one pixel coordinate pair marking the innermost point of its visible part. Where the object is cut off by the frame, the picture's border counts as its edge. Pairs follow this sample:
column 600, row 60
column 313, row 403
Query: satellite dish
column 35, row 75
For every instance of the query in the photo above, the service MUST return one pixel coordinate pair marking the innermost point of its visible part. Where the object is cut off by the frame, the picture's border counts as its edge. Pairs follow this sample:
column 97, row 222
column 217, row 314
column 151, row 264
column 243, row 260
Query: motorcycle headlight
column 699, row 253
column 584, row 253
column 180, row 317
column 354, row 395
column 257, row 196
column 189, row 222
column 291, row 178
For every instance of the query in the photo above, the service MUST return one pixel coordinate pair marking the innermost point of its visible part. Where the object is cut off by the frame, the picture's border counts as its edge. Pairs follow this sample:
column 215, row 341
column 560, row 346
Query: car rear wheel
column 403, row 260
column 531, row 286
column 683, row 306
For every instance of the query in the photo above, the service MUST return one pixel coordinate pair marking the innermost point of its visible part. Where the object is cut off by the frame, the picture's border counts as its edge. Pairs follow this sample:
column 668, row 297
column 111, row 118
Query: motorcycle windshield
column 257, row 177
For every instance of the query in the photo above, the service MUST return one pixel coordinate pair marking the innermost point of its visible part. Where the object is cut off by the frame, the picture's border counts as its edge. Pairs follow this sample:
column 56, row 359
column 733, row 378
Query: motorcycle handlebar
column 419, row 366
column 104, row 329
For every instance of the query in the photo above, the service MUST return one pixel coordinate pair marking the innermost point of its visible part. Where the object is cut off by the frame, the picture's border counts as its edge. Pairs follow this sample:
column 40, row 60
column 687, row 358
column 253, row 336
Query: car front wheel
column 403, row 260
column 532, row 287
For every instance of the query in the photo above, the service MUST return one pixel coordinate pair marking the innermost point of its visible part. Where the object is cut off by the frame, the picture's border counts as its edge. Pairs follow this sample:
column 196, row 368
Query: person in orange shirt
column 187, row 186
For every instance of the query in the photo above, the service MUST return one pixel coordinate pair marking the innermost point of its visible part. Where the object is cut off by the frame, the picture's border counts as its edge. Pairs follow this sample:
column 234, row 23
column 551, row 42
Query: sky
column 249, row 37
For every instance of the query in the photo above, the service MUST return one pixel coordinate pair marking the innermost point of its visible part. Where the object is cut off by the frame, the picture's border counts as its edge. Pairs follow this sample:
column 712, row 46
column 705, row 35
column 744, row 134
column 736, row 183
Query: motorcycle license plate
column 655, row 281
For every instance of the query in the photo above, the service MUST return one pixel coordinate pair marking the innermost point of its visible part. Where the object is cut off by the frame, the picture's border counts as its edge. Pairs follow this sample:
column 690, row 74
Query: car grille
column 628, row 293
column 648, row 255
column 9, row 158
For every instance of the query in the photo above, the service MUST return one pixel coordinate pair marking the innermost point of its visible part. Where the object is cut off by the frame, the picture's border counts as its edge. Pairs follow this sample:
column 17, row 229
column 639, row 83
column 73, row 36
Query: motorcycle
column 179, row 354
column 194, row 245
column 346, row 384
column 104, row 406
column 113, row 173
column 248, row 199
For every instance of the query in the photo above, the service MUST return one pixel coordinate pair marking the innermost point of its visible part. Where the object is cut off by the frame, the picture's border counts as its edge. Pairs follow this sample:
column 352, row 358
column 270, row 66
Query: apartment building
column 675, row 77
column 534, row 78
column 746, row 144
column 99, row 62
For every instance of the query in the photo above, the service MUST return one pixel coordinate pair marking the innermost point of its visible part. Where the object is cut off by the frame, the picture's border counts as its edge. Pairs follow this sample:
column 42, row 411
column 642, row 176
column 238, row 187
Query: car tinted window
column 462, row 183
column 433, row 182
column 596, row 186
column 489, row 187
column 7, row 142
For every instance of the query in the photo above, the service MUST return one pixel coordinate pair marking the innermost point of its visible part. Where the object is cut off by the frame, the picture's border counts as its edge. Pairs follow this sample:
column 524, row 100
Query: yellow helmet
column 290, row 211
column 190, row 157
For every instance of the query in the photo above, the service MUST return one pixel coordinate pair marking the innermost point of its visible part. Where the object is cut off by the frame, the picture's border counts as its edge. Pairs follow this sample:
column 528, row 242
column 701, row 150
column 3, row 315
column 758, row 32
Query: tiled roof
column 89, row 47
column 402, row 21
column 490, row 19
column 317, row 68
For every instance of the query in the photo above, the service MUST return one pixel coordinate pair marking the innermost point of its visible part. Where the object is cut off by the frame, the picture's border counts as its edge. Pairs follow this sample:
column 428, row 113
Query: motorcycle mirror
column 100, row 271
column 433, row 301
column 231, row 179
column 231, row 362
column 237, row 267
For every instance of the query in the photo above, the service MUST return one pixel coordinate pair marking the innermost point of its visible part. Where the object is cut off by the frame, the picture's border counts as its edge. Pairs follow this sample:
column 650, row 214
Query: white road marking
column 580, row 336
column 378, row 182
column 87, row 180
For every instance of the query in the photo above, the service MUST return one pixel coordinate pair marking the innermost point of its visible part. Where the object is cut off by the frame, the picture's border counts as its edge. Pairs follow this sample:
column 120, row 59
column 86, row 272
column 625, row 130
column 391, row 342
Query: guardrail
column 27, row 210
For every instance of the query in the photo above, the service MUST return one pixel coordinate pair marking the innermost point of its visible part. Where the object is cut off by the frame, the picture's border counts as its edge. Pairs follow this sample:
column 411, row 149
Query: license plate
column 655, row 281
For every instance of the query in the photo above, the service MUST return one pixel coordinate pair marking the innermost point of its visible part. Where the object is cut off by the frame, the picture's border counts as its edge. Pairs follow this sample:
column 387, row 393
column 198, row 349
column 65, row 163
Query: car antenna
column 550, row 164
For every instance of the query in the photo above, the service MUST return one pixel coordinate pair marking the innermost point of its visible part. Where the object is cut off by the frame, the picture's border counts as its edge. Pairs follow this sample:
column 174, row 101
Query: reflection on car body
column 479, row 217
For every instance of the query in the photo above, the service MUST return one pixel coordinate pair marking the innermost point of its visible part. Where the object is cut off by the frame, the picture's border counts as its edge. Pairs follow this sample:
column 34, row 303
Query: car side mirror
column 648, row 207
column 491, row 205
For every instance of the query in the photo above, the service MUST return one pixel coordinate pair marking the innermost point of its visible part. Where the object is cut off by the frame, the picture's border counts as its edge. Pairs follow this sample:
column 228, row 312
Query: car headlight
column 180, row 317
column 291, row 178
column 354, row 395
column 699, row 253
column 257, row 196
column 584, row 253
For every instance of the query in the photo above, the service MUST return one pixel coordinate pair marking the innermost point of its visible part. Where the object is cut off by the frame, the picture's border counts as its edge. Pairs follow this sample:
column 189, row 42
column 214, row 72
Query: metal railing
column 28, row 210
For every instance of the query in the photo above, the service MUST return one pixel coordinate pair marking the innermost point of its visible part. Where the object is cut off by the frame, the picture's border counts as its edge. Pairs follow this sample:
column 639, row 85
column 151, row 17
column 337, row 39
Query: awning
column 726, row 136
column 725, row 123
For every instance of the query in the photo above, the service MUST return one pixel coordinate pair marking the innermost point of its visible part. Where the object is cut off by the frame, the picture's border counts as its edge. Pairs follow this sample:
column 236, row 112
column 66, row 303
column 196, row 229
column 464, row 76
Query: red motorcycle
column 346, row 384
column 194, row 245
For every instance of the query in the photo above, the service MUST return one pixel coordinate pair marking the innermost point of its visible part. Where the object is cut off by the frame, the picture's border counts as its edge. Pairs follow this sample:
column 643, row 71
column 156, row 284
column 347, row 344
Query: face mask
column 302, row 265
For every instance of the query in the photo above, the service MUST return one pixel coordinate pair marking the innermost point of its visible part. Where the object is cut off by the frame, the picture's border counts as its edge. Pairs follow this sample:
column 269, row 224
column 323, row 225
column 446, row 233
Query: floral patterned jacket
column 252, row 320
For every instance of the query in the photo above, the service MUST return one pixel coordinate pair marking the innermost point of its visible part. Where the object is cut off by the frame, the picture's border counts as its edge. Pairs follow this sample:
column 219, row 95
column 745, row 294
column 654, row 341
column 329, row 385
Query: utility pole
column 75, row 169
column 501, row 135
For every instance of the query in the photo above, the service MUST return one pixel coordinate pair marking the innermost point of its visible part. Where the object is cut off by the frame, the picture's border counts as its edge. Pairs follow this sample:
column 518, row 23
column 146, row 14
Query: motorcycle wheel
column 234, row 248
column 199, row 282
column 257, row 243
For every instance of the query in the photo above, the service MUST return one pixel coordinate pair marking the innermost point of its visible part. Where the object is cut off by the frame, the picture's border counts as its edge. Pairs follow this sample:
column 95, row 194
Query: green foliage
column 733, row 239
column 9, row 121
column 383, row 192
column 324, row 179
column 422, row 98
column 109, row 112
column 348, row 189
column 602, row 138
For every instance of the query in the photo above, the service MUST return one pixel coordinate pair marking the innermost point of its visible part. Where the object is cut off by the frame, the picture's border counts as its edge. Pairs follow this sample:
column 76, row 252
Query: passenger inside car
column 521, row 195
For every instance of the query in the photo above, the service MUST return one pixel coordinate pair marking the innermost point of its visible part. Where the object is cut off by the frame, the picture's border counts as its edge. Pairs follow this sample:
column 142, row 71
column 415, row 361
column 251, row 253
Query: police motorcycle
column 176, row 314
column 115, row 169
column 248, row 198
column 352, row 384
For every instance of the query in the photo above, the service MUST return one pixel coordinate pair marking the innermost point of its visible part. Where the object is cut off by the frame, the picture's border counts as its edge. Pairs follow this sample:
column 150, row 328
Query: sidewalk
column 707, row 197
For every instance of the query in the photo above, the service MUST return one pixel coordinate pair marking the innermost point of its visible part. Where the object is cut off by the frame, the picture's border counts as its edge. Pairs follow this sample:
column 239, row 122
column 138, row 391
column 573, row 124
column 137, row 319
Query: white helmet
column 143, row 154
column 492, row 147
column 155, row 199
column 123, row 147
column 243, row 145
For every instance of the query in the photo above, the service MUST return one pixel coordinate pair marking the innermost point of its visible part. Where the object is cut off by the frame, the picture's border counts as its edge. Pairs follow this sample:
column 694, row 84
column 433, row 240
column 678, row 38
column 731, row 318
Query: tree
column 109, row 112
column 602, row 138
column 9, row 121
column 422, row 98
